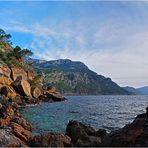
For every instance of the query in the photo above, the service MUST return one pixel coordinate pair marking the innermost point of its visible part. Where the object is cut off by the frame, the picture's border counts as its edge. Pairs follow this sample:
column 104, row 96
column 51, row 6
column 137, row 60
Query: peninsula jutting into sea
column 73, row 74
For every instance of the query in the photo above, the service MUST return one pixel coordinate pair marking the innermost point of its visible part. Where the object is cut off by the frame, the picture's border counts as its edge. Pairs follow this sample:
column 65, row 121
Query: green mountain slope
column 74, row 77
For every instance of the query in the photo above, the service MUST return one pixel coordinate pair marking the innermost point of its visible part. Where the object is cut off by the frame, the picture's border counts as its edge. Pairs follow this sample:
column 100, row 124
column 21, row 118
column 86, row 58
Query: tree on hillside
column 4, row 38
column 19, row 53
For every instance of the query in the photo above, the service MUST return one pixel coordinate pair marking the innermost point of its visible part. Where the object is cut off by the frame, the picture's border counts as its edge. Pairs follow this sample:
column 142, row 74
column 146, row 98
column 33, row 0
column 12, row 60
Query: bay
column 107, row 112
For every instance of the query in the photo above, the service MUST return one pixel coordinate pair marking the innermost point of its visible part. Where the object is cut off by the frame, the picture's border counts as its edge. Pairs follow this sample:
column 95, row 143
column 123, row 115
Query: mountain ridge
column 75, row 78
column 143, row 90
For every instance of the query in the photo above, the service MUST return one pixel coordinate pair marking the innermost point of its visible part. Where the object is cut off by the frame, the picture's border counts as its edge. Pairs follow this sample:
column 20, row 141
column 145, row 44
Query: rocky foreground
column 15, row 131
column 18, row 87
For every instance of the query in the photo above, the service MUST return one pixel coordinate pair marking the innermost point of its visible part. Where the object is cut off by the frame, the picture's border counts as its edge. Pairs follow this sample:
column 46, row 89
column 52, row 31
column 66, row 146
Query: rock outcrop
column 51, row 96
column 17, row 72
column 9, row 92
column 5, row 70
column 133, row 134
column 82, row 135
column 18, row 85
column 51, row 140
column 15, row 131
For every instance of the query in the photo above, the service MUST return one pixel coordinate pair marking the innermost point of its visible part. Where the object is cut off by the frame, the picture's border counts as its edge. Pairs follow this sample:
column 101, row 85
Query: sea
column 100, row 112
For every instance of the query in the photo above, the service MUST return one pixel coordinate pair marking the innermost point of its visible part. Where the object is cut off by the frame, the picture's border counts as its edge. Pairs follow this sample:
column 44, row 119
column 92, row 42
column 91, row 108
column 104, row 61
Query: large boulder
column 82, row 135
column 51, row 96
column 5, row 70
column 22, row 87
column 36, row 92
column 16, row 72
column 50, row 140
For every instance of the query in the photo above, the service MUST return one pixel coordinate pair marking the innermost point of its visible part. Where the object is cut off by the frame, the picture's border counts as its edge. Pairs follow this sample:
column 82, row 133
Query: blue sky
column 110, row 37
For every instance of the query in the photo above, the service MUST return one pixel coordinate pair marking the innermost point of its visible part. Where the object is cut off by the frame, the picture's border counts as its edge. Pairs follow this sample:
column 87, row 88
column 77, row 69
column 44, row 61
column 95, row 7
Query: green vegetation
column 70, row 77
column 12, row 56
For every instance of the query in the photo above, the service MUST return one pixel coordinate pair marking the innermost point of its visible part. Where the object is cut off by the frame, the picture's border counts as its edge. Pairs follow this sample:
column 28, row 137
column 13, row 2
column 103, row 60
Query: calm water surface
column 108, row 112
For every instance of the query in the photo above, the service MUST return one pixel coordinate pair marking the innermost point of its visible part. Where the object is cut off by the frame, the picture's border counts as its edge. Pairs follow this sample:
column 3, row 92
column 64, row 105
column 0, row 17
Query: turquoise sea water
column 108, row 112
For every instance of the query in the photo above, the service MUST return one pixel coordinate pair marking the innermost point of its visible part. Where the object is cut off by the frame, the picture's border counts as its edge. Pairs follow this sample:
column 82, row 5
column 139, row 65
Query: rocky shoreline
column 18, row 88
column 16, row 131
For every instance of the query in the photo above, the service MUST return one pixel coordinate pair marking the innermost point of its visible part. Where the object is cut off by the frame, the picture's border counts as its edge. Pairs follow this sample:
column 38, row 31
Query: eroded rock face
column 21, row 132
column 17, row 72
column 22, row 87
column 51, row 140
column 82, row 135
column 15, row 130
column 5, row 70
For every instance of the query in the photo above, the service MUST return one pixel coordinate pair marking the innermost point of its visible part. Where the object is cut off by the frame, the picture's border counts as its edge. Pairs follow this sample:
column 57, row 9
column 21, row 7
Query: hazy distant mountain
column 74, row 77
column 143, row 90
column 132, row 90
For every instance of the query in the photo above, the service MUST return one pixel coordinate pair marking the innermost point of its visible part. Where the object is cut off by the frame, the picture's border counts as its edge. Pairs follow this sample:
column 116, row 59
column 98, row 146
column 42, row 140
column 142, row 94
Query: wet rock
column 51, row 140
column 82, row 135
column 22, row 87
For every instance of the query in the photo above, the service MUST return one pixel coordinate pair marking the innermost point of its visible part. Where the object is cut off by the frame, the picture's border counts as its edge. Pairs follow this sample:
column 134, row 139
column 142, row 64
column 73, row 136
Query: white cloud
column 115, row 49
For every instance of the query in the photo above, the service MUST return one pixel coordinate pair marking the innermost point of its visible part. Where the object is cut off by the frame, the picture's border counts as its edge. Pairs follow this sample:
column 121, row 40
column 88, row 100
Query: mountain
column 143, row 90
column 75, row 78
column 132, row 90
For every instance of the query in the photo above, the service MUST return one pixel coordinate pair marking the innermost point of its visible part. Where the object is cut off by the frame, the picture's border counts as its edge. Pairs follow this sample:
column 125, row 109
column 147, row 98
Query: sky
column 111, row 38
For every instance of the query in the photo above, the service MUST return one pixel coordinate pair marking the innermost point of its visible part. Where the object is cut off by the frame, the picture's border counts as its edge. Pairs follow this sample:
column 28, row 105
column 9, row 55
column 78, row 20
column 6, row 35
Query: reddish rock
column 50, row 140
column 6, row 114
column 4, row 80
column 5, row 70
column 9, row 92
column 30, row 75
column 19, row 119
column 21, row 132
column 22, row 87
column 16, row 72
